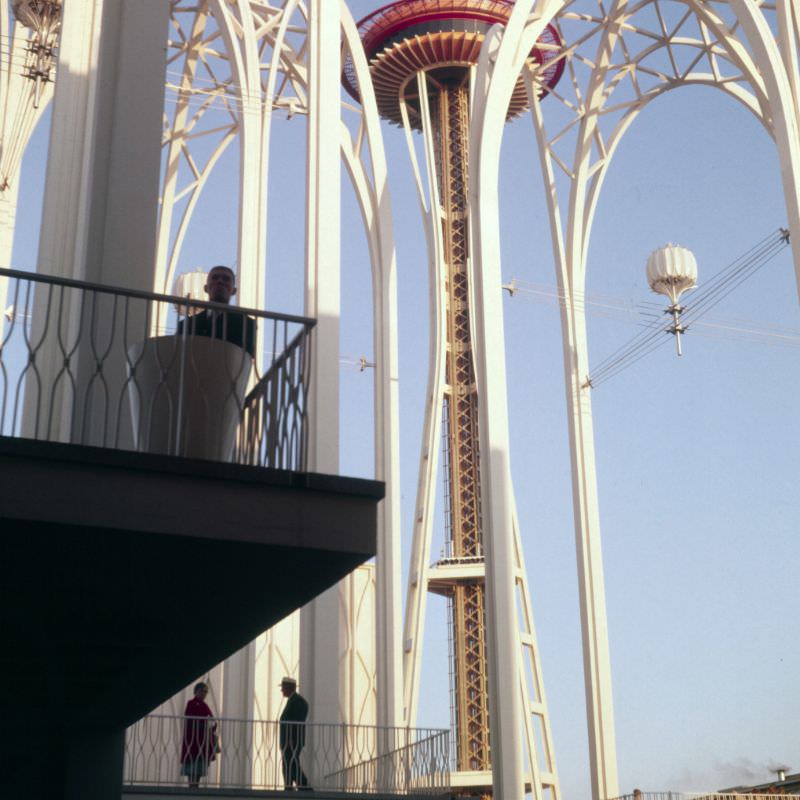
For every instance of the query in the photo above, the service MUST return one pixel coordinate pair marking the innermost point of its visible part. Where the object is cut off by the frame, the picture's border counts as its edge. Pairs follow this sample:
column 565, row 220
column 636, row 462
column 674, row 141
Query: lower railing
column 700, row 795
column 252, row 754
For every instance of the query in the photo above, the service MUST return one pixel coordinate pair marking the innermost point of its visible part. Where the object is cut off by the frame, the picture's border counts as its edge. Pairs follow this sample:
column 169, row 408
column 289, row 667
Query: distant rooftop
column 789, row 785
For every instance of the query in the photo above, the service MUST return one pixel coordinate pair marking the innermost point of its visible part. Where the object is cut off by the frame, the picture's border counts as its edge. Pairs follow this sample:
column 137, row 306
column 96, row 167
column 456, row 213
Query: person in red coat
column 199, row 746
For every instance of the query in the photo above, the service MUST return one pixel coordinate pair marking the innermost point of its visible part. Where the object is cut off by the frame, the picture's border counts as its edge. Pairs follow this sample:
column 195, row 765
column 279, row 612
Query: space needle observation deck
column 442, row 38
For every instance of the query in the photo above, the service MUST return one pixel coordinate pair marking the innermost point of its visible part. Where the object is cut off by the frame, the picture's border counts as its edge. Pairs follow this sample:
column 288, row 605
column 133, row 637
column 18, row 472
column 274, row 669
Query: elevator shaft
column 449, row 105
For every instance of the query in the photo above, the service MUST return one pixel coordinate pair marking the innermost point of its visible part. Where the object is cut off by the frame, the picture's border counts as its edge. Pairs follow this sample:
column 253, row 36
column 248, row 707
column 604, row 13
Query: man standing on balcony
column 293, row 735
column 230, row 326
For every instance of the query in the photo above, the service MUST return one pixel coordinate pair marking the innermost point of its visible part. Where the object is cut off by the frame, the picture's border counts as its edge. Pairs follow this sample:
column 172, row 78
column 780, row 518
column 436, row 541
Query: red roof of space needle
column 407, row 36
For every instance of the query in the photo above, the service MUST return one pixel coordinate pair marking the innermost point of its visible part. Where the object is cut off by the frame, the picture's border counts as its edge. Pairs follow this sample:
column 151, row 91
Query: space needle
column 422, row 56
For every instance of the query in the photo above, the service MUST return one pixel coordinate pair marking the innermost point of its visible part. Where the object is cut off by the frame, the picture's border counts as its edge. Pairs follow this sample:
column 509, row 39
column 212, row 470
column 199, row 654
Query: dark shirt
column 296, row 711
column 230, row 326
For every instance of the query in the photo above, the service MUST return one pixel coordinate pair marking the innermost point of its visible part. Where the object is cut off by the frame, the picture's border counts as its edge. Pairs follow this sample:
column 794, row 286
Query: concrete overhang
column 126, row 575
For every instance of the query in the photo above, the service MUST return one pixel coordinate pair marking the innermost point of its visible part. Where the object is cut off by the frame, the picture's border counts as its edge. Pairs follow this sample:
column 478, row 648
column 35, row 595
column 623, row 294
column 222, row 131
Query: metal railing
column 251, row 754
column 83, row 363
column 699, row 796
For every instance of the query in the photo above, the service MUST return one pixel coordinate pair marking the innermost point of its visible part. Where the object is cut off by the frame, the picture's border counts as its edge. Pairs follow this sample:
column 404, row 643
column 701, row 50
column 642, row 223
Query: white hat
column 290, row 681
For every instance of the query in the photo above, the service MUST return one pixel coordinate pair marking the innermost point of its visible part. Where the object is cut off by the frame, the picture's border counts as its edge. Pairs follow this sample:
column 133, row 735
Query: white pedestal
column 186, row 395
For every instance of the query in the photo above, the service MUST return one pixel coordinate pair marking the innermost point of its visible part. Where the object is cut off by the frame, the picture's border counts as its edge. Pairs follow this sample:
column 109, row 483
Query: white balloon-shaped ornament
column 671, row 271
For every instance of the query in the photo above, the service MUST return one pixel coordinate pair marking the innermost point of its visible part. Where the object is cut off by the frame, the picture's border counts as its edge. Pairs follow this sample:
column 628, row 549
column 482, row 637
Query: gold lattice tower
column 442, row 38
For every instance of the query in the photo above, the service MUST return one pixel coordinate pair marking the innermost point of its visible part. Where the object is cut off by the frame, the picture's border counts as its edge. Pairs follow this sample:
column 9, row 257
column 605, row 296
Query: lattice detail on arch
column 278, row 31
column 210, row 89
column 618, row 59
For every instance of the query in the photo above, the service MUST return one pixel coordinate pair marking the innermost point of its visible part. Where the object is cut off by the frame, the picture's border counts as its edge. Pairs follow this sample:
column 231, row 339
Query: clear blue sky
column 696, row 456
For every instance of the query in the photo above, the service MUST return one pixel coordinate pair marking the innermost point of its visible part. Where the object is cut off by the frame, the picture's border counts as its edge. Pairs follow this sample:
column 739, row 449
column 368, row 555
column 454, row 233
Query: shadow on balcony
column 156, row 510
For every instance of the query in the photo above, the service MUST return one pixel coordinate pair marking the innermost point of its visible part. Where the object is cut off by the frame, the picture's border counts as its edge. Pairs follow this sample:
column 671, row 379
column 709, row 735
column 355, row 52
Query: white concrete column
column 389, row 672
column 8, row 216
column 591, row 583
column 785, row 114
column 99, row 219
column 373, row 194
column 322, row 625
column 238, row 688
column 70, row 150
column 277, row 655
column 502, row 632
column 362, row 677
column 322, row 234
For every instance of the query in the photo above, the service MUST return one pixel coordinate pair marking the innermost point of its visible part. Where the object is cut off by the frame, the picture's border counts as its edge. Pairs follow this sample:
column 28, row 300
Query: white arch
column 268, row 56
column 772, row 97
column 373, row 196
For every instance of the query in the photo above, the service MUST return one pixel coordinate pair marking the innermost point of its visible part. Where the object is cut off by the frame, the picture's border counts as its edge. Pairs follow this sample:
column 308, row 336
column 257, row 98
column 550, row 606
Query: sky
column 696, row 463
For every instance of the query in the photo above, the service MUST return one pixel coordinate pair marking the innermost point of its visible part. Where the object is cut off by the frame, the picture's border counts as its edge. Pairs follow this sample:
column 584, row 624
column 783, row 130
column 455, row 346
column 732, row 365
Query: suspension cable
column 718, row 288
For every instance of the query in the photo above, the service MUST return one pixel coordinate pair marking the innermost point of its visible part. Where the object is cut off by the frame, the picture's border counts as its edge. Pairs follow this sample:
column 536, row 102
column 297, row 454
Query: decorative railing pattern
column 273, row 415
column 700, row 795
column 247, row 754
column 83, row 363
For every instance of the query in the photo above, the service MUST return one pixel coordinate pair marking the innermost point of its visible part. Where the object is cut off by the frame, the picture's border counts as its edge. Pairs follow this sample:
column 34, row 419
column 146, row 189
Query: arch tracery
column 619, row 59
column 637, row 58
column 238, row 63
column 230, row 65
column 233, row 64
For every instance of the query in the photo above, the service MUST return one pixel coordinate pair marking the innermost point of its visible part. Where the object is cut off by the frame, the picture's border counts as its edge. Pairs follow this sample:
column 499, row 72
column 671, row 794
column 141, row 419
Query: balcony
column 156, row 511
column 338, row 760
column 93, row 365
column 737, row 794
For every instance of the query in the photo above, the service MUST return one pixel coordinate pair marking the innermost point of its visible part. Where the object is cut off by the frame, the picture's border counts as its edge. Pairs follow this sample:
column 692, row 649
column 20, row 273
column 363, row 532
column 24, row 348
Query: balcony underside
column 126, row 575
